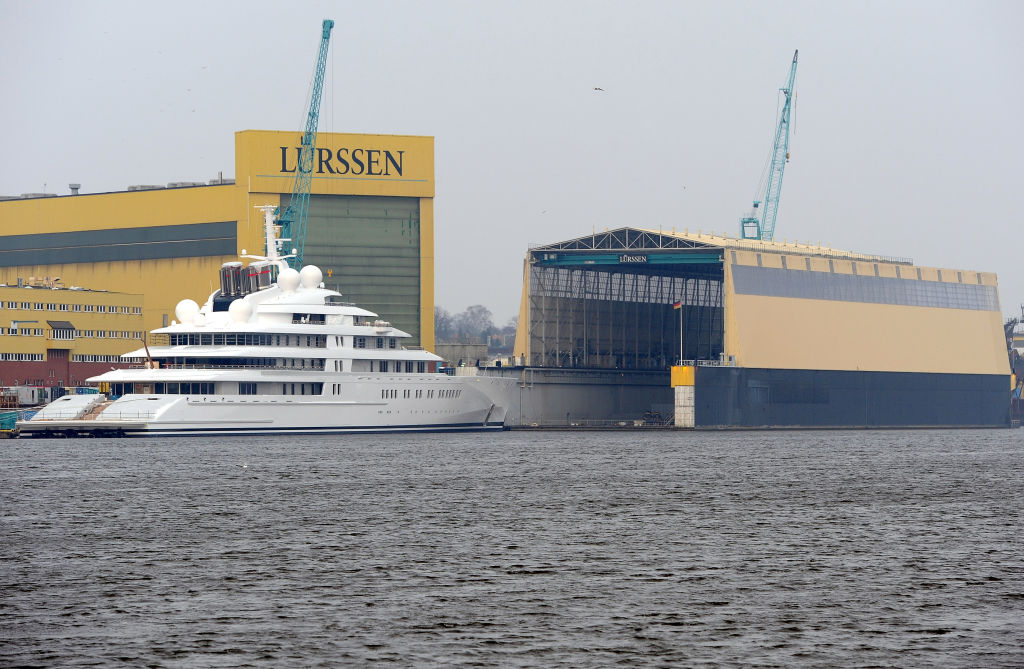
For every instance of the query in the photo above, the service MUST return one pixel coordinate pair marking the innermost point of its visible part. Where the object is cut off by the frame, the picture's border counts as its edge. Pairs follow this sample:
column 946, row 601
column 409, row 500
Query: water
column 539, row 549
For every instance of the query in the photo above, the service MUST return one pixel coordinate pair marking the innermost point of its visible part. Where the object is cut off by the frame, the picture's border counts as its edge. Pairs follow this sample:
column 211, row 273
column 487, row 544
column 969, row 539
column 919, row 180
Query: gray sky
column 907, row 131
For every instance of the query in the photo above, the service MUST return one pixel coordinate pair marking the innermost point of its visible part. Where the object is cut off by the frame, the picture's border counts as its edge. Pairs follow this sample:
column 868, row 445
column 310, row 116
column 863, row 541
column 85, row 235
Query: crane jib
column 751, row 227
column 293, row 220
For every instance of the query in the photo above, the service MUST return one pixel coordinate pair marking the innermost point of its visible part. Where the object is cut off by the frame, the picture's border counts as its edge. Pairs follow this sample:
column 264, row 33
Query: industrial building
column 54, row 335
column 759, row 333
column 370, row 227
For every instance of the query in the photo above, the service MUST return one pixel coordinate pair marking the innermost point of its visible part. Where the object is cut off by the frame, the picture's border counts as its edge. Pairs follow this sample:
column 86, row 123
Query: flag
column 678, row 304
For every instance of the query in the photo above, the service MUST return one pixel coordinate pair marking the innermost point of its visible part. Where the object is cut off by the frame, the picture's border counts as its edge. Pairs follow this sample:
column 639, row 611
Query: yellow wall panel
column 863, row 268
column 771, row 260
column 842, row 266
column 796, row 263
column 427, row 337
column 789, row 333
column 886, row 270
column 819, row 264
column 745, row 258
column 345, row 164
column 682, row 376
column 135, row 209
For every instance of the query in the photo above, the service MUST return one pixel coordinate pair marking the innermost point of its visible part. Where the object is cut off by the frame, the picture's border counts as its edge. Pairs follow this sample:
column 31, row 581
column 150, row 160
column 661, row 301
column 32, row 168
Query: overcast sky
column 908, row 133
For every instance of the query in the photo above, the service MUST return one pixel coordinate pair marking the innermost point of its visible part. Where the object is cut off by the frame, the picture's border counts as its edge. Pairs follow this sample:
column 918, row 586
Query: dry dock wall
column 561, row 397
column 746, row 397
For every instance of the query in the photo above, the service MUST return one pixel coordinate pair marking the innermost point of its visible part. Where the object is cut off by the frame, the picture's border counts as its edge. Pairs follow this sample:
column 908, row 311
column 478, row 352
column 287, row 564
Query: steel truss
column 588, row 318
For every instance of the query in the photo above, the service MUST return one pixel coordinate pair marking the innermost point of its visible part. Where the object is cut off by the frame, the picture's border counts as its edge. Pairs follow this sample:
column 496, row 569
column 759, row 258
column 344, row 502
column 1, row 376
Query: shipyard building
column 55, row 335
column 757, row 333
column 370, row 228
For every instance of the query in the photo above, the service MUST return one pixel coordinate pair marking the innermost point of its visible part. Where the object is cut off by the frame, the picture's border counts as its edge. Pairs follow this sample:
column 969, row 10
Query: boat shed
column 770, row 333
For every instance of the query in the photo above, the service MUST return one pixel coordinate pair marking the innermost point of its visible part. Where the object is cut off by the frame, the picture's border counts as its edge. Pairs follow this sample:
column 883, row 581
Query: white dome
column 186, row 311
column 288, row 280
column 240, row 310
column 311, row 276
column 199, row 320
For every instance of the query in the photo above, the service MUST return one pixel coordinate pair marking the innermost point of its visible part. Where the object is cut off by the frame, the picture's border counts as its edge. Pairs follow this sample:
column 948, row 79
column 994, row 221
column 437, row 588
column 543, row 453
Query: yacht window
column 360, row 342
column 421, row 366
column 392, row 342
column 246, row 388
column 380, row 342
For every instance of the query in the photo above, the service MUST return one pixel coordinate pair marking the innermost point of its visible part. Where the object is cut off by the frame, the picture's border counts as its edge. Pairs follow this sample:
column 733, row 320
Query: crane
column 750, row 226
column 293, row 220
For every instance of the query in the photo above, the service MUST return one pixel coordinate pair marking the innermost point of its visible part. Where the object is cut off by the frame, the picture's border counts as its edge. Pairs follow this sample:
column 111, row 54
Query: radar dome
column 186, row 311
column 311, row 276
column 240, row 310
column 288, row 280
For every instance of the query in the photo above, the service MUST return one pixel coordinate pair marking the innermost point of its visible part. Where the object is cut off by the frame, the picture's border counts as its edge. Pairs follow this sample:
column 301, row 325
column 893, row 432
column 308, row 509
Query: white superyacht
column 274, row 352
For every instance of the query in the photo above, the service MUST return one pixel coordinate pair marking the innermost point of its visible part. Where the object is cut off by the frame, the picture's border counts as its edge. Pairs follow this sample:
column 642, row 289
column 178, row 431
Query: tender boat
column 274, row 352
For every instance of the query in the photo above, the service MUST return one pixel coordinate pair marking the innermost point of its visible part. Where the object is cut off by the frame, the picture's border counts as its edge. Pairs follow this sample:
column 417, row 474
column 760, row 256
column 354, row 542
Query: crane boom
column 293, row 220
column 750, row 227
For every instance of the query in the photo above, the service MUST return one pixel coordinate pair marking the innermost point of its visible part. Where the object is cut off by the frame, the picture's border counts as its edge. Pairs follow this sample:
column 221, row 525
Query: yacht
column 274, row 352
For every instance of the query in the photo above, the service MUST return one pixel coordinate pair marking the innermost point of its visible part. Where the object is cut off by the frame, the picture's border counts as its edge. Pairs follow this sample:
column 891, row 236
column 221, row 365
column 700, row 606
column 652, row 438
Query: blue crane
column 750, row 226
column 293, row 220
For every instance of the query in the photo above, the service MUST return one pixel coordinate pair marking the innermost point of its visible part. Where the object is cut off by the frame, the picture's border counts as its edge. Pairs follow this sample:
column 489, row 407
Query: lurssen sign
column 631, row 258
column 368, row 162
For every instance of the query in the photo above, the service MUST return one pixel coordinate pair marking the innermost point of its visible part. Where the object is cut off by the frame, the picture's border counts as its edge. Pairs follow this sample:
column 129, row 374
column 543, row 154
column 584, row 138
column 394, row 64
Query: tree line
column 475, row 325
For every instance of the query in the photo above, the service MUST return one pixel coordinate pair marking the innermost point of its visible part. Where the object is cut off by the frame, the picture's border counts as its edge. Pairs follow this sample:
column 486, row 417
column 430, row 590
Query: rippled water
column 516, row 549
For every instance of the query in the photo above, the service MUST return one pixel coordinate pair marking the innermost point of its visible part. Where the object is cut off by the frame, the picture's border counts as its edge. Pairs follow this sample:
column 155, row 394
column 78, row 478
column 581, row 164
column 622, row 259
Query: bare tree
column 444, row 324
column 473, row 323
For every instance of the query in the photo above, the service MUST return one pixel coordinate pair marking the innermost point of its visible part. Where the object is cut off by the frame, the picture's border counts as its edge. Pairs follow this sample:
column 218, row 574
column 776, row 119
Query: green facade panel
column 369, row 251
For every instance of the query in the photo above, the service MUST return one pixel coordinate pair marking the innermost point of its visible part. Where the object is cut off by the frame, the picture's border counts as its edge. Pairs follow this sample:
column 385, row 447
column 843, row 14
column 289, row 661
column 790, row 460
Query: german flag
column 678, row 304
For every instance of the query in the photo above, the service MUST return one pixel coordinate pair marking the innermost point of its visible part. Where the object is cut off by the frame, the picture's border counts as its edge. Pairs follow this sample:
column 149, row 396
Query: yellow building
column 370, row 228
column 52, row 334
column 776, row 333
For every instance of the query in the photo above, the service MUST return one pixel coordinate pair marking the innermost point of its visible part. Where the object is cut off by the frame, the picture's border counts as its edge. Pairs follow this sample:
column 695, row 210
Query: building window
column 51, row 306
column 63, row 307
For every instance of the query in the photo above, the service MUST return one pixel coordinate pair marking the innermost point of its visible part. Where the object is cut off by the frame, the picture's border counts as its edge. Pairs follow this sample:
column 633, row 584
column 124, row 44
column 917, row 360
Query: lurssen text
column 371, row 162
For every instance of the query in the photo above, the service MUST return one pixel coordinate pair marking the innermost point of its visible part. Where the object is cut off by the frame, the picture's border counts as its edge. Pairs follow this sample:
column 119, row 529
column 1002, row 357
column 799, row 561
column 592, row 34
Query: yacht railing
column 308, row 368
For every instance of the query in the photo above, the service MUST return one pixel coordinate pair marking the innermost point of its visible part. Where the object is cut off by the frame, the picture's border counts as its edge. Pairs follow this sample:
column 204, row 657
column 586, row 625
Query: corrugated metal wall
column 369, row 251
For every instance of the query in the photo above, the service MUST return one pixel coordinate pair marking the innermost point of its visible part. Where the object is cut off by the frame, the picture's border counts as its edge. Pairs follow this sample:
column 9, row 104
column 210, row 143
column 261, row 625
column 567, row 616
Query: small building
column 57, row 336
